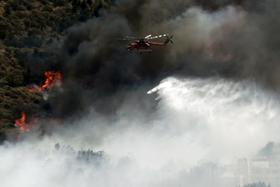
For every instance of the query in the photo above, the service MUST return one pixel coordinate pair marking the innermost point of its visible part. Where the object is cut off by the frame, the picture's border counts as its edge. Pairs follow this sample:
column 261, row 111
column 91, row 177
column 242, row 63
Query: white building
column 263, row 168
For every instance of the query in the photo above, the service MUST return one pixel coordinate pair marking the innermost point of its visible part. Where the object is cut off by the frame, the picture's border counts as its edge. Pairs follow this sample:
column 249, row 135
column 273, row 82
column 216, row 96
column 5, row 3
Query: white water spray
column 199, row 127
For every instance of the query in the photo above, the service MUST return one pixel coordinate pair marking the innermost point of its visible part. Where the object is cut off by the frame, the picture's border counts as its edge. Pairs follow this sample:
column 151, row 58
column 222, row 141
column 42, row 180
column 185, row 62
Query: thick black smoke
column 233, row 39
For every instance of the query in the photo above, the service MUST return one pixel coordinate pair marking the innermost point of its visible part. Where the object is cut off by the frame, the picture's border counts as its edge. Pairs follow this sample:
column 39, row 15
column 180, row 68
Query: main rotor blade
column 148, row 36
column 158, row 36
column 128, row 38
column 131, row 37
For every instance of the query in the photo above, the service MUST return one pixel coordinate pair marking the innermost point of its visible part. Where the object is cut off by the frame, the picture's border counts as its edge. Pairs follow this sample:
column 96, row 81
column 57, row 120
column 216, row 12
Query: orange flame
column 52, row 79
column 21, row 123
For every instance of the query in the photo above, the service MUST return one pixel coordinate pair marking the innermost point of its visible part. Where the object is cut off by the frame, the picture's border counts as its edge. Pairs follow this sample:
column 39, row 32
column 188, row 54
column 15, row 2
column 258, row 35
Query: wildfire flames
column 21, row 123
column 52, row 79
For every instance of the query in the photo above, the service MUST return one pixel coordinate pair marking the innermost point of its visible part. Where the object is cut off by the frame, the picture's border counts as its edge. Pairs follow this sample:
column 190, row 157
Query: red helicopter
column 145, row 44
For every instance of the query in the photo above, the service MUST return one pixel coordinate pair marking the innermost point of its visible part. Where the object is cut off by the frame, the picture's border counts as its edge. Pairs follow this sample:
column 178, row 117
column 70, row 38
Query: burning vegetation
column 27, row 26
column 22, row 124
column 52, row 79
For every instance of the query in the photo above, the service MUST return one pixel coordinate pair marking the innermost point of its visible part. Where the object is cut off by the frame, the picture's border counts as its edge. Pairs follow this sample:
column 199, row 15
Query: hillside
column 27, row 28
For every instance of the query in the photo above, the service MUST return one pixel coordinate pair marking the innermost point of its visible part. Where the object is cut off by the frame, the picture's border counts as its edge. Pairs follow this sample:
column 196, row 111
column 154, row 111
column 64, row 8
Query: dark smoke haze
column 210, row 100
column 232, row 39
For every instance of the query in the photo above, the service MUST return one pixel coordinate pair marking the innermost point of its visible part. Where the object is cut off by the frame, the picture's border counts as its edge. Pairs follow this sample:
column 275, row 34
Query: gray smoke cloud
column 229, row 41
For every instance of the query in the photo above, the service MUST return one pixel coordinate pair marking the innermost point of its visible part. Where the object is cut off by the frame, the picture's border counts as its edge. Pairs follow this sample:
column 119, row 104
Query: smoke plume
column 219, row 103
column 228, row 41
